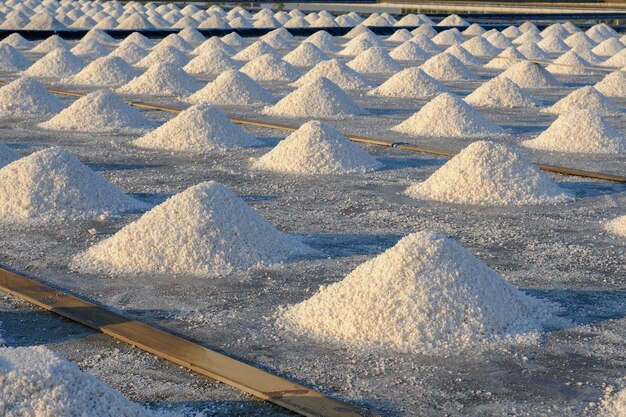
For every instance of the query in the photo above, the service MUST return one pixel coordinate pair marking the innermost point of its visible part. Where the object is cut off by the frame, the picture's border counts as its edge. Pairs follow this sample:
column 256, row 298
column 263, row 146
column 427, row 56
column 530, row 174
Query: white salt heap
column 12, row 60
column 409, row 51
column 166, row 55
column 500, row 92
column 108, row 71
column 613, row 85
column 426, row 44
column 37, row 382
column 409, row 83
column 211, row 63
column 489, row 174
column 90, row 49
column 232, row 88
column 57, row 63
column 200, row 128
column 162, row 80
column 479, row 46
column 233, row 39
column 337, row 72
column 100, row 111
column 427, row 294
column 18, row 41
column 26, row 97
column 584, row 98
column 570, row 64
column 306, row 55
column 580, row 131
column 374, row 60
column 50, row 44
column 270, row 68
column 529, row 75
column 53, row 186
column 618, row 226
column 531, row 51
column 617, row 60
column 448, row 68
column 255, row 50
column 324, row 41
column 506, row 59
column 130, row 52
column 214, row 44
column 139, row 39
column 317, row 148
column 462, row 55
column 448, row 116
column 7, row 155
column 204, row 231
column 319, row 98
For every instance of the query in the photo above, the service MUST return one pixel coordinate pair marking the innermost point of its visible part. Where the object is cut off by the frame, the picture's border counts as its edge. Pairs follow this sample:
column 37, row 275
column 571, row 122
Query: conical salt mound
column 409, row 83
column 214, row 44
column 52, row 185
column 108, row 71
column 618, row 227
column 489, row 174
column 162, row 80
column 479, row 46
column 426, row 294
column 7, row 155
column 509, row 57
column 337, row 72
column 199, row 128
column 255, row 50
column 211, row 63
column 500, row 92
column 608, row 47
column 529, row 75
column 324, row 41
column 320, row 98
column 18, row 41
column 50, row 44
column 204, row 231
column 531, row 51
column 25, row 97
column 462, row 55
column 232, row 88
column 447, row 115
column 233, row 39
column 409, row 51
column 90, row 48
column 306, row 55
column 192, row 35
column 584, row 98
column 12, row 60
column 570, row 64
column 100, row 111
column 448, row 68
column 139, row 39
column 58, row 63
column 374, row 60
column 130, row 52
column 580, row 131
column 270, row 68
column 613, row 85
column 317, row 148
column 166, row 55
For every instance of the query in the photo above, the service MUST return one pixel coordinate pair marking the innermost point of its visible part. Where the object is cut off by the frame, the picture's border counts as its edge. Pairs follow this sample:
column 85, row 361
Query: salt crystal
column 617, row 226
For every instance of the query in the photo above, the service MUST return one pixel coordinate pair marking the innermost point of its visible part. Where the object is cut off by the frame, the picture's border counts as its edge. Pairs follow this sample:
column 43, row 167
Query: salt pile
column 580, row 39
column 200, row 128
column 324, row 41
column 532, row 51
column 337, row 72
column 608, row 48
column 109, row 71
column 570, row 64
column 553, row 45
column 499, row 40
column 204, row 231
column 166, row 55
column 232, row 88
column 319, row 98
column 192, row 35
column 580, row 131
column 506, row 59
column 500, row 92
column 7, row 155
column 130, row 52
column 255, row 50
column 100, row 111
column 43, row 21
column 512, row 32
column 448, row 37
column 18, row 41
column 448, row 68
column 447, row 115
column 409, row 51
column 162, row 80
column 618, row 226
column 400, row 36
column 138, row 39
column 489, row 174
column 529, row 75
column 453, row 20
column 374, row 60
column 613, row 85
column 480, row 46
column 584, row 98
column 317, row 148
column 58, row 63
column 306, row 55
column 90, row 49
column 52, row 185
column 25, row 97
column 37, row 382
column 426, row 44
column 409, row 83
column 11, row 59
column 528, row 37
column 233, row 39
column 356, row 46
column 211, row 63
column 214, row 44
column 474, row 30
column 462, row 55
column 617, row 60
column 270, row 68
column 426, row 294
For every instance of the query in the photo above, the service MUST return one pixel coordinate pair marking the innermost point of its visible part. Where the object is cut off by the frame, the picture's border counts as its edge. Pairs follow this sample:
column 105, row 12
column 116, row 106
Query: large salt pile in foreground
column 500, row 92
column 108, row 71
column 337, row 72
column 317, row 148
column 52, row 185
column 426, row 294
column 25, row 97
column 447, row 115
column 57, row 63
column 582, row 131
column 199, row 128
column 409, row 83
column 617, row 226
column 489, row 174
column 232, row 88
column 204, row 231
column 162, row 80
column 583, row 98
column 7, row 155
column 529, row 75
column 100, row 111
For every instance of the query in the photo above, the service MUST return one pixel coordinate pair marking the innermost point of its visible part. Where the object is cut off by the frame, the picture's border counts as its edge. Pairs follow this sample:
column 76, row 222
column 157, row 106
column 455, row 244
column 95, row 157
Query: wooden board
column 261, row 384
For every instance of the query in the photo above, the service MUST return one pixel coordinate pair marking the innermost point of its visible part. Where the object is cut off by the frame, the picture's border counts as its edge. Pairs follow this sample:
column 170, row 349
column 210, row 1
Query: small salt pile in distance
column 462, row 55
column 53, row 186
column 374, row 60
column 447, row 68
column 25, row 98
column 108, row 71
column 613, row 85
column 447, row 115
column 233, row 39
column 581, row 40
column 409, row 51
column 138, row 39
column 166, row 55
column 213, row 44
column 500, row 92
column 400, row 36
column 570, row 64
column 427, row 294
column 162, row 80
column 204, row 231
column 17, row 41
column 617, row 60
column 580, row 131
column 90, row 49
column 232, row 88
column 50, row 44
column 317, row 148
column 449, row 37
column 409, row 83
column 130, row 52
column 617, row 226
column 255, row 50
column 58, row 63
column 319, row 98
column 337, row 72
column 426, row 44
column 529, row 75
column 7, row 155
column 175, row 41
column 37, row 382
column 356, row 46
column 192, row 36
column 270, row 68
column 200, row 128
column 480, row 46
column 584, row 98
column 306, row 55
column 12, row 60
column 211, row 63
column 100, row 111
column 608, row 47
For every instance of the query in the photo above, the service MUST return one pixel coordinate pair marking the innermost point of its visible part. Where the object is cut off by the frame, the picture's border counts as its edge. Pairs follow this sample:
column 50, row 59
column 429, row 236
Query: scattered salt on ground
column 232, row 88
column 409, row 83
column 199, row 128
column 448, row 68
column 613, row 85
column 204, row 231
column 37, row 382
column 255, row 50
column 409, row 51
column 25, row 97
column 108, row 71
column 7, row 155
column 480, row 46
column 18, row 41
column 50, row 44
column 166, row 55
column 211, row 63
column 618, row 226
column 130, row 52
column 90, row 49
column 306, row 55
column 374, row 60
column 270, row 68
column 447, row 115
column 581, row 131
column 11, row 59
column 500, row 92
column 317, row 148
column 531, row 51
column 337, row 72
column 584, row 98
column 100, row 111
column 570, row 64
column 57, row 63
column 319, row 98
column 506, row 59
column 529, row 75
column 162, row 80
column 489, row 174
column 52, row 185
column 426, row 294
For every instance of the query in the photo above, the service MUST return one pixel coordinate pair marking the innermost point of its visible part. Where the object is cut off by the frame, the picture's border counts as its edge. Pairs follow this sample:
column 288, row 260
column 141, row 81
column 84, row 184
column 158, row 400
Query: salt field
column 218, row 186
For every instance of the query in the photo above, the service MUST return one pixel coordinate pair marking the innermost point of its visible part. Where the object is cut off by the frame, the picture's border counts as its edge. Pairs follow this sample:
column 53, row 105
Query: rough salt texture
column 500, row 92
column 26, row 97
column 374, row 60
column 204, row 231
column 489, row 174
column 409, row 83
column 17, row 41
column 317, row 148
column 618, row 226
column 447, row 67
column 337, row 72
column 232, row 88
column 7, row 155
column 427, row 294
column 270, row 68
column 162, row 80
column 11, row 59
column 584, row 98
column 613, row 85
column 108, row 71
column 529, row 75
column 57, row 63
